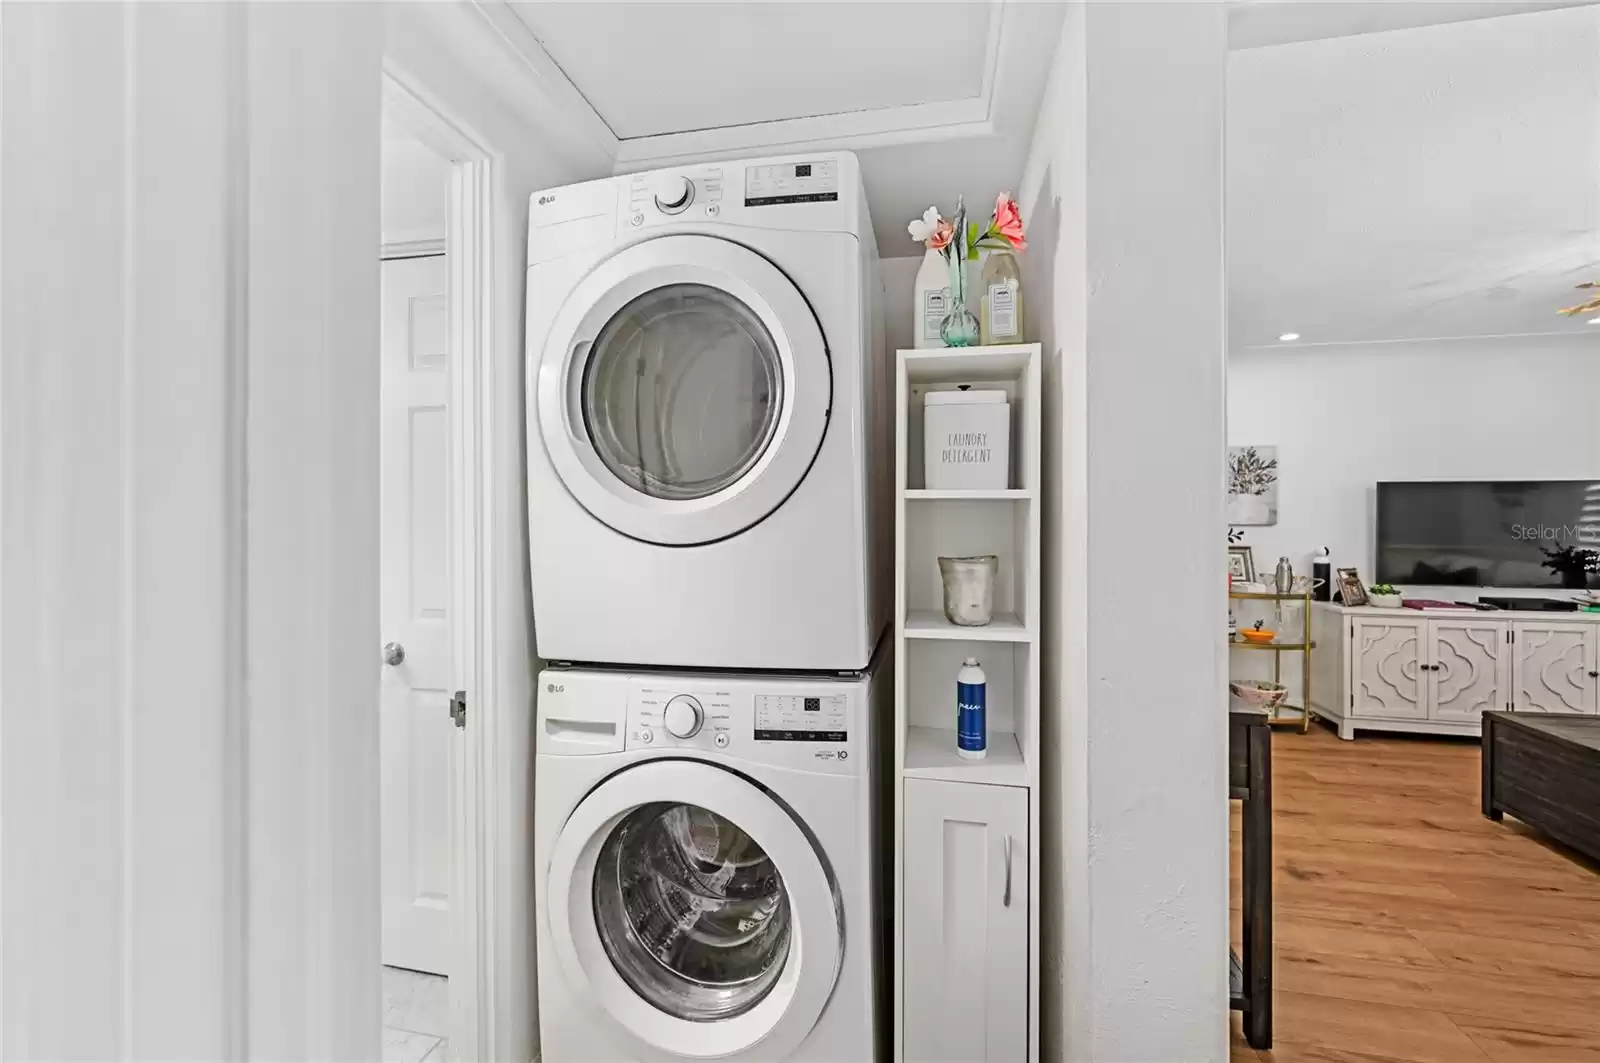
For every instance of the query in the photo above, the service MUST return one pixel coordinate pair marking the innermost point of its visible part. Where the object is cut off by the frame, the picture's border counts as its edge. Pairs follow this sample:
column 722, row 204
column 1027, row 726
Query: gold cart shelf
column 1285, row 715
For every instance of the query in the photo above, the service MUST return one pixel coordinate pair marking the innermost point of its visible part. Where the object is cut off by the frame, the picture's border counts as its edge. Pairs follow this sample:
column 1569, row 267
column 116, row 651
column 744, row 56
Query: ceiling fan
column 1584, row 308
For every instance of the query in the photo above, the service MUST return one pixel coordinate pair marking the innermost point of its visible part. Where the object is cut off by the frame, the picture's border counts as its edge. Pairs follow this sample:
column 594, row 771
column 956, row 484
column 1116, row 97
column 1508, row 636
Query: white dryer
column 708, row 883
column 708, row 446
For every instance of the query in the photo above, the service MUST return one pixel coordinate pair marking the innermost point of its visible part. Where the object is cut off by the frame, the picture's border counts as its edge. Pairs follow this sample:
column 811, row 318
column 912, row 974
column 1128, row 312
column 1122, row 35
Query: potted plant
column 1573, row 564
column 1384, row 596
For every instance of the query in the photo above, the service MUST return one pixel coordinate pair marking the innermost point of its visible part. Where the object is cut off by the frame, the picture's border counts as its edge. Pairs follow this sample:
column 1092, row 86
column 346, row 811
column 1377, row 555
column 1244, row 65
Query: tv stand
column 1437, row 671
column 1530, row 605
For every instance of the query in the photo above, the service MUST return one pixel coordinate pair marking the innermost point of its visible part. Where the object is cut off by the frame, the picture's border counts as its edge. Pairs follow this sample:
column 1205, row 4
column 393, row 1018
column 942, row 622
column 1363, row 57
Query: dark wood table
column 1545, row 770
column 1250, row 782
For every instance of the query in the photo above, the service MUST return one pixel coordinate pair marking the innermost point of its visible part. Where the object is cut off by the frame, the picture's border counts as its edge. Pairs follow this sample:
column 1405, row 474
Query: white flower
column 922, row 228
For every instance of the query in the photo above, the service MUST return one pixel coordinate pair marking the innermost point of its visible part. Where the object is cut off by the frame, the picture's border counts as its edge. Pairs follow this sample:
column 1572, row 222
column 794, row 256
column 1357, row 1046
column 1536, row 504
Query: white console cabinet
column 1438, row 671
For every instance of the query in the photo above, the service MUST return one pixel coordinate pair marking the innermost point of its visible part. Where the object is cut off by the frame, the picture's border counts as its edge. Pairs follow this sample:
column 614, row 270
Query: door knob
column 393, row 653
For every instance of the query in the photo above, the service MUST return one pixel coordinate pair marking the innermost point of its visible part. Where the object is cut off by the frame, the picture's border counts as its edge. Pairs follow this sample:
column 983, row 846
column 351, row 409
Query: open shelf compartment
column 930, row 739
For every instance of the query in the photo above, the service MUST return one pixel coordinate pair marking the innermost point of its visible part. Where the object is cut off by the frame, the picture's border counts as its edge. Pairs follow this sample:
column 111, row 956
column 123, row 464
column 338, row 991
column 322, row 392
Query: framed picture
column 1241, row 564
column 1253, row 485
column 1351, row 590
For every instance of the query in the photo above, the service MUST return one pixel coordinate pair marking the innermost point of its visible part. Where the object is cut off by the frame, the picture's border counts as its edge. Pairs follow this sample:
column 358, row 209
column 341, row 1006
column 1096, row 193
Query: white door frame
column 469, row 245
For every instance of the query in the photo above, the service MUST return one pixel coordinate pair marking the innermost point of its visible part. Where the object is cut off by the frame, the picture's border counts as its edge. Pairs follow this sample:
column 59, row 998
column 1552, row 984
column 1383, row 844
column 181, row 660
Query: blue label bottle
column 972, row 720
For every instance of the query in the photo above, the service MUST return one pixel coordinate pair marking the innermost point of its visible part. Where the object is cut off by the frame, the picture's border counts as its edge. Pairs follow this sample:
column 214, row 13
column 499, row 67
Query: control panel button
column 683, row 717
column 712, row 210
column 722, row 739
column 673, row 192
column 647, row 736
column 636, row 221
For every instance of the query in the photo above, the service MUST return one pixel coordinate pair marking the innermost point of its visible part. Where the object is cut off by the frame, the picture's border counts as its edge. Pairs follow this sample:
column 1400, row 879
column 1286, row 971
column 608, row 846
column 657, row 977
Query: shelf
column 923, row 494
column 931, row 624
column 931, row 754
column 1295, row 646
column 968, row 363
column 1269, row 596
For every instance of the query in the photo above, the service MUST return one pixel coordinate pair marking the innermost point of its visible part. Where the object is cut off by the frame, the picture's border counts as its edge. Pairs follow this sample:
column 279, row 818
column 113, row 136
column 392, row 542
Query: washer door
column 693, row 911
column 684, row 390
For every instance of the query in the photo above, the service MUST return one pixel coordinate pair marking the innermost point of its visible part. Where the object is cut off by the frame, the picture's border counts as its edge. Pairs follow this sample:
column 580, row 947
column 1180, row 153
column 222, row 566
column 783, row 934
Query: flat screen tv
column 1484, row 533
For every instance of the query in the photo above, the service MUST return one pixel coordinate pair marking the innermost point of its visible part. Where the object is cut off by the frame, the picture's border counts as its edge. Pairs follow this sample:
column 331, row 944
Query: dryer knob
column 673, row 193
column 683, row 717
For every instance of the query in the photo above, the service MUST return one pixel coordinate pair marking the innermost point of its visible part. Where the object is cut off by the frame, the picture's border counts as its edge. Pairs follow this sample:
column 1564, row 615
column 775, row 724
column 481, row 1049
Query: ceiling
column 937, row 99
column 1417, row 183
column 666, row 68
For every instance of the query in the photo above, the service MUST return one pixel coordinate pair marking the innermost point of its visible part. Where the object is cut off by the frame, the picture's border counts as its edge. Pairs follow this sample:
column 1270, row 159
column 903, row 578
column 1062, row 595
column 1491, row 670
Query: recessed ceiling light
column 1594, row 321
column 1288, row 337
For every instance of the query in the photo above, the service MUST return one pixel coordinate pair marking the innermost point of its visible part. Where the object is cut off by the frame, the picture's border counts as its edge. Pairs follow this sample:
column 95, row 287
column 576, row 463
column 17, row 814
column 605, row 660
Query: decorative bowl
column 1259, row 694
column 1257, row 635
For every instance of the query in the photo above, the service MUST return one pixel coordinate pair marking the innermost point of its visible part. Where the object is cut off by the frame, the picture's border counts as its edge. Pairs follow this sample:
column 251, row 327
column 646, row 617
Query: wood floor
column 1410, row 928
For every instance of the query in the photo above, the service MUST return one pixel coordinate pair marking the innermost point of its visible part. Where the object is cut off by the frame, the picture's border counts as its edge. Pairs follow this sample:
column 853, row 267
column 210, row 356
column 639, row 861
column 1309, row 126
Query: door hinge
column 458, row 708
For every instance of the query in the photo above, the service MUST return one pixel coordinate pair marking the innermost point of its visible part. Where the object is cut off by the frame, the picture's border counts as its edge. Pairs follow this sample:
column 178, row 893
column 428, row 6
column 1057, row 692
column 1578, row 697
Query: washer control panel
column 810, row 724
column 801, row 718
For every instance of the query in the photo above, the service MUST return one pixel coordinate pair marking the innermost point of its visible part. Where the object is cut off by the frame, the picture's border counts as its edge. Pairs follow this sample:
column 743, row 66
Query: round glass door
column 691, row 911
column 683, row 390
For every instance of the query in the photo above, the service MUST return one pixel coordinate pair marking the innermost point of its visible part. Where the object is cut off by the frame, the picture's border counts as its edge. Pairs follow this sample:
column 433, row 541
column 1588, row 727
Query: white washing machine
column 708, row 884
column 709, row 439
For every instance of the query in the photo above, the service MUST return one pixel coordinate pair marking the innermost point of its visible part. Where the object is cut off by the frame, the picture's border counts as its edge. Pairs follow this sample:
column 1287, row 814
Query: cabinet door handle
column 1006, row 899
column 1594, row 675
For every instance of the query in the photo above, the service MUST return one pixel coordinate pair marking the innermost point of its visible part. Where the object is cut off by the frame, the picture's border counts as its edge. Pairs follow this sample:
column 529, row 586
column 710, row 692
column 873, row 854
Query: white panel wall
column 188, row 531
column 1344, row 417
column 1123, row 188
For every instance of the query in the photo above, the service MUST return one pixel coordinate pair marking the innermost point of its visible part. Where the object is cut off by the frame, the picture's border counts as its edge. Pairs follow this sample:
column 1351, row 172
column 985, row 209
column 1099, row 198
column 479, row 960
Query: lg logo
column 554, row 688
column 546, row 199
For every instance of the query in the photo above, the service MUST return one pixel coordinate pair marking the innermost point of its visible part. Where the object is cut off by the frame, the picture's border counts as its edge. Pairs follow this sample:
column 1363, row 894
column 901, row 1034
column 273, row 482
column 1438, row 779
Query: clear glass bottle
column 1001, row 319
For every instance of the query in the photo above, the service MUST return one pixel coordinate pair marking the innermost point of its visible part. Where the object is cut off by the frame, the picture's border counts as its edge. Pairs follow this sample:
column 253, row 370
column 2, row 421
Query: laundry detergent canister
column 972, row 711
column 966, row 440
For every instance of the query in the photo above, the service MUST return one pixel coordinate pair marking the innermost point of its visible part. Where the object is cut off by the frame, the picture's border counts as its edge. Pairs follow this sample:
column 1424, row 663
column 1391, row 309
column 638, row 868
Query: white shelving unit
column 967, row 831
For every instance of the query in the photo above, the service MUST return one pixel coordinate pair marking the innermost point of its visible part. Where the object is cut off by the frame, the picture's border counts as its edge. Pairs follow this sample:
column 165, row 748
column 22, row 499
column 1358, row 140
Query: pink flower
column 1008, row 221
column 941, row 236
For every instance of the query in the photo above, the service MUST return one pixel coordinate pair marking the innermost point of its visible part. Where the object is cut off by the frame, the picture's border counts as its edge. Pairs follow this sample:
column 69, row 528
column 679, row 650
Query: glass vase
column 960, row 326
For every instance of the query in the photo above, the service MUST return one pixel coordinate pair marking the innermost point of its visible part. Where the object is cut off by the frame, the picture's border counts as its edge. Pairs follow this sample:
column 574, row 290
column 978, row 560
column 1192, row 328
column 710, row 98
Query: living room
column 1415, row 454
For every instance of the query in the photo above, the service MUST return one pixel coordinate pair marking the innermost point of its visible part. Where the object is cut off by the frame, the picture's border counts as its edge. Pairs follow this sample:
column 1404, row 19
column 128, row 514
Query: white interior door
column 415, row 725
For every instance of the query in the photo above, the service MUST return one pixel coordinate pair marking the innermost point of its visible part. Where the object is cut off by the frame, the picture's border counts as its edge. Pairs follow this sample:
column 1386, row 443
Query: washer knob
column 673, row 193
column 683, row 717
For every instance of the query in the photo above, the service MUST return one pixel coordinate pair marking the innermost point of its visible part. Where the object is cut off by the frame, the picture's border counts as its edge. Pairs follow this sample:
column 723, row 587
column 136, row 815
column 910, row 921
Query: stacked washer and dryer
column 708, row 489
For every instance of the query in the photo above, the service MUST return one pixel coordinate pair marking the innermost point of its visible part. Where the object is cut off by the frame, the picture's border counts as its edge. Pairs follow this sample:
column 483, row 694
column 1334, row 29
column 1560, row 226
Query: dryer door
column 683, row 390
column 693, row 912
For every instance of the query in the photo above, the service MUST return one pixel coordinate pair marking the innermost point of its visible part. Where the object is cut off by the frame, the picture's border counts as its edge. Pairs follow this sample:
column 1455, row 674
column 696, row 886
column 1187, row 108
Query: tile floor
column 416, row 1013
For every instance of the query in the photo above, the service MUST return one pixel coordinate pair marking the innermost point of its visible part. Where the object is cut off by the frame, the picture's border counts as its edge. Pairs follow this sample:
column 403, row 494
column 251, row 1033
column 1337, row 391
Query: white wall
column 1123, row 187
column 1050, row 193
column 416, row 185
column 1344, row 417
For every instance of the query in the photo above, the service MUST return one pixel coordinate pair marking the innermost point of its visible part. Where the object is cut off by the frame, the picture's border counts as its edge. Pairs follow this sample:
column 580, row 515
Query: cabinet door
column 966, row 922
column 1469, row 669
column 1386, row 674
column 1553, row 666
